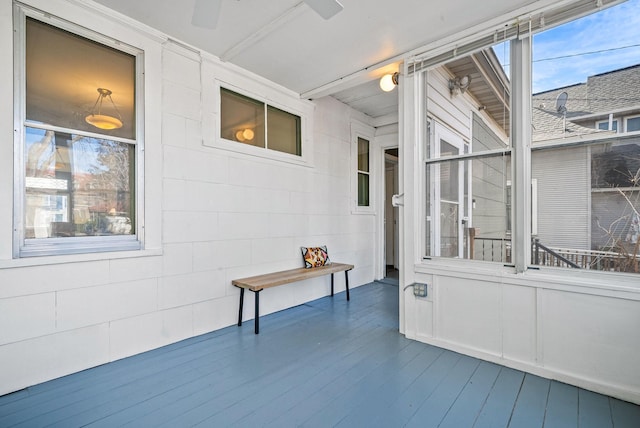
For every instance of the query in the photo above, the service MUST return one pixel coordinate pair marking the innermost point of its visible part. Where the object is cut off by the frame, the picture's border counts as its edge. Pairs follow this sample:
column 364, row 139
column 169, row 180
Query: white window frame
column 626, row 121
column 266, row 105
column 215, row 76
column 22, row 247
column 366, row 132
column 607, row 122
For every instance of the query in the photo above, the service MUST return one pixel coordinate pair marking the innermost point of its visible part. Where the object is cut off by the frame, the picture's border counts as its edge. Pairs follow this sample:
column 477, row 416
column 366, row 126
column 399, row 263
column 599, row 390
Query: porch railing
column 499, row 250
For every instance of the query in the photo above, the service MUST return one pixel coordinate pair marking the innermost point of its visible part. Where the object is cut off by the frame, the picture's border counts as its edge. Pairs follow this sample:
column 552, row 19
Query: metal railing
column 545, row 256
column 499, row 250
column 491, row 249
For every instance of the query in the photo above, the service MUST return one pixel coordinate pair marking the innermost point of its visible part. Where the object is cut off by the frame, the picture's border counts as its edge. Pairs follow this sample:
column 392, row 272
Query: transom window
column 252, row 122
column 78, row 156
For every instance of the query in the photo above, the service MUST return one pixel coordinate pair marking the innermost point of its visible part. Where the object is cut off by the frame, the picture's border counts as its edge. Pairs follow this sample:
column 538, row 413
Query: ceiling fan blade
column 325, row 8
column 206, row 13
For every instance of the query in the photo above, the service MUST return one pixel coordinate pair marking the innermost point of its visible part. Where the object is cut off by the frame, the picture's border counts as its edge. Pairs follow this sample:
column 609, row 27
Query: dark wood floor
column 325, row 363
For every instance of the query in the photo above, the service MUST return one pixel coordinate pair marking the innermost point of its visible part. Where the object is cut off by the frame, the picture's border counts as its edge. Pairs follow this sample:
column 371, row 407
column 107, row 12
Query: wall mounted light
column 389, row 81
column 100, row 120
column 245, row 135
column 459, row 85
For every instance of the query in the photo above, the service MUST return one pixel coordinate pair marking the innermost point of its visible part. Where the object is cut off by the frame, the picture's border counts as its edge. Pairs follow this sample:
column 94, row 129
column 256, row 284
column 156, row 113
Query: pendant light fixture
column 100, row 120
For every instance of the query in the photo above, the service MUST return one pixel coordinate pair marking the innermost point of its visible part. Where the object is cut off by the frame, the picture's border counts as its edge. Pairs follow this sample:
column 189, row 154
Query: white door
column 447, row 204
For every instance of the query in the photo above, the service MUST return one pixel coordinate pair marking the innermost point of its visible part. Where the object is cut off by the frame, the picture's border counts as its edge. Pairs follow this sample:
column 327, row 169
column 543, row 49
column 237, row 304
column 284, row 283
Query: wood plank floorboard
column 497, row 410
column 329, row 362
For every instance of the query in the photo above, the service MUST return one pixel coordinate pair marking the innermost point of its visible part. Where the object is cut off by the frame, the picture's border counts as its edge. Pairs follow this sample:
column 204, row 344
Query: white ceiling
column 286, row 42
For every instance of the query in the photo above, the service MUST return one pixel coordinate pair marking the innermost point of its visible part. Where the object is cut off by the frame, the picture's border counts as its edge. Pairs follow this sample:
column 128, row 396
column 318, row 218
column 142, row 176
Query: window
column 363, row 172
column 467, row 201
column 466, row 169
column 588, row 190
column 605, row 124
column 579, row 187
column 252, row 122
column 632, row 124
column 79, row 151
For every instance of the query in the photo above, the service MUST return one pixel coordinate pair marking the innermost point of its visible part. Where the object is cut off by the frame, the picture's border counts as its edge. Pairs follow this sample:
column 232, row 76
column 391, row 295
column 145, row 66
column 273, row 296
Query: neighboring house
column 606, row 110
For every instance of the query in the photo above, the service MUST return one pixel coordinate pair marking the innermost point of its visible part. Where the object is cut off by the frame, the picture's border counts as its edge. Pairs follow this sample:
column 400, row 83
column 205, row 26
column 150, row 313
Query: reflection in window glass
column 77, row 186
column 59, row 68
column 283, row 131
column 241, row 119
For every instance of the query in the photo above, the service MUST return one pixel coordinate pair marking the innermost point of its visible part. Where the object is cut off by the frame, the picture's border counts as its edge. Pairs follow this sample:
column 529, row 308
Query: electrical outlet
column 420, row 290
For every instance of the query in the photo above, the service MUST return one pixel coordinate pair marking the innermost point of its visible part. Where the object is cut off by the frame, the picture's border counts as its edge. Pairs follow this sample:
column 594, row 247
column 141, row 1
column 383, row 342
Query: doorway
column 448, row 208
column 391, row 220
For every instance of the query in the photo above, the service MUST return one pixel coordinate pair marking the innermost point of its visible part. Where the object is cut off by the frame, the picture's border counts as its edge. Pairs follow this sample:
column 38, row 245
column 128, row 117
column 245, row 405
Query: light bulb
column 388, row 83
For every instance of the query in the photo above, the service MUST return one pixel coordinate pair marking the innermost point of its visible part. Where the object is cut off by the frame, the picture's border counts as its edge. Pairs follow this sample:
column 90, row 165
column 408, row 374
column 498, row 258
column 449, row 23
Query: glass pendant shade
column 103, row 121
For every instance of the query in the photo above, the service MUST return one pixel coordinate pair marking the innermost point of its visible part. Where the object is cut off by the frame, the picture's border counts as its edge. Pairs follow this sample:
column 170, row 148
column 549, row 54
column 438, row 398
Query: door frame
column 441, row 132
column 383, row 143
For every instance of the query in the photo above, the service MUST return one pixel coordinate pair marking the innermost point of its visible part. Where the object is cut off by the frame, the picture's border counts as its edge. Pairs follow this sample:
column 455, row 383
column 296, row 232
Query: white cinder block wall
column 220, row 215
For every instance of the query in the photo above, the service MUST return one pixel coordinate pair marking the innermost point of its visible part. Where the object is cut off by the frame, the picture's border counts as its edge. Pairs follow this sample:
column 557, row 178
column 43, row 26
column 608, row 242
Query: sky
column 600, row 42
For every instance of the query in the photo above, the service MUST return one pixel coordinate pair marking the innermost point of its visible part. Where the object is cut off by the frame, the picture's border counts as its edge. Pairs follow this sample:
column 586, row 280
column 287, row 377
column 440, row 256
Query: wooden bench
column 260, row 282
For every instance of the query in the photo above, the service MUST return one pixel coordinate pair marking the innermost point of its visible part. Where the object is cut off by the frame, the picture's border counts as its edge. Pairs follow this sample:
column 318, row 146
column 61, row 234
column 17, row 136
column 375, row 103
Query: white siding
column 454, row 112
column 564, row 186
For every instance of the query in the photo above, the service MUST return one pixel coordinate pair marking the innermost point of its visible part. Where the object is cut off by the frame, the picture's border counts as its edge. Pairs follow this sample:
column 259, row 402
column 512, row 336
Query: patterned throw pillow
column 315, row 256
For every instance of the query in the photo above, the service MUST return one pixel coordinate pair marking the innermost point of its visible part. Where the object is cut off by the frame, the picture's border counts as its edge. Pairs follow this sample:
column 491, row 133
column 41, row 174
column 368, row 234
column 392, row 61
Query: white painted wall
column 213, row 215
column 577, row 327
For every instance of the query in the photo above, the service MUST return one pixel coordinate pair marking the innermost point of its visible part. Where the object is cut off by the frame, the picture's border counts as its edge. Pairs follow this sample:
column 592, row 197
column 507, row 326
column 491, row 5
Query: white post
column 521, row 151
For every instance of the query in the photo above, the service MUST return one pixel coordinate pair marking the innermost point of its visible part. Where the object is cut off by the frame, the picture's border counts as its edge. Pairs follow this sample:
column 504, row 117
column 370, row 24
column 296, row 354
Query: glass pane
column 449, row 219
column 63, row 75
column 605, row 125
column 363, row 190
column 489, row 233
column 449, row 180
column 591, row 221
column 363, row 155
column 241, row 118
column 588, row 195
column 283, row 131
column 77, row 186
column 482, row 235
column 633, row 124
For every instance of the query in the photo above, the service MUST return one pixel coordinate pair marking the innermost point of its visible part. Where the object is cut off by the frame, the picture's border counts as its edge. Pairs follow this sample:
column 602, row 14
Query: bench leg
column 346, row 277
column 241, row 304
column 332, row 284
column 257, row 312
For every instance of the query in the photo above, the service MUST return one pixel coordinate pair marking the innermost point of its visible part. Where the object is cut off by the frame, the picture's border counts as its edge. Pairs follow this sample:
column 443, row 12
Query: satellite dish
column 561, row 101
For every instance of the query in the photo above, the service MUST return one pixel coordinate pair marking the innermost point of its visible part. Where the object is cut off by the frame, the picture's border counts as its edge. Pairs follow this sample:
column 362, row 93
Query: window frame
column 626, row 122
column 361, row 130
column 26, row 248
column 615, row 123
column 270, row 96
column 412, row 130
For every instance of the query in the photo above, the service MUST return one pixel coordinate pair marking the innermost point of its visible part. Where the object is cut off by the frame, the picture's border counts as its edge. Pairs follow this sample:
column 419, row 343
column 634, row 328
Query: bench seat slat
column 260, row 282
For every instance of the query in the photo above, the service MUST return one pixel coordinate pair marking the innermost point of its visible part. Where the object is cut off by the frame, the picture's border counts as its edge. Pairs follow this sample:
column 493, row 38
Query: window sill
column 609, row 284
column 259, row 152
column 75, row 258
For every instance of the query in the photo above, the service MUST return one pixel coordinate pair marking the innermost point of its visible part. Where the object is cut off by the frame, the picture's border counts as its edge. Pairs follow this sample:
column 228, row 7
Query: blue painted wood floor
column 325, row 363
